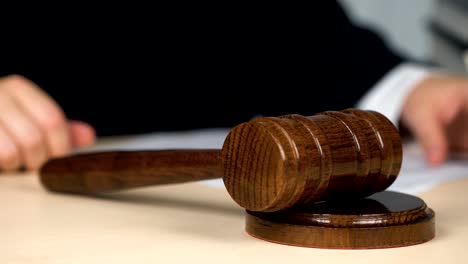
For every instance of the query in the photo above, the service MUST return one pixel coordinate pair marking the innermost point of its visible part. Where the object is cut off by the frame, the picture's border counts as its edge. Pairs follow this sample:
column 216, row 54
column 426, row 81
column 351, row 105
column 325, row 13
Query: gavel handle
column 94, row 173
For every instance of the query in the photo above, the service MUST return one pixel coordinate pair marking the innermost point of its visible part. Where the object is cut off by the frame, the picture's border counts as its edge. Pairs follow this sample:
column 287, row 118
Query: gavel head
column 273, row 163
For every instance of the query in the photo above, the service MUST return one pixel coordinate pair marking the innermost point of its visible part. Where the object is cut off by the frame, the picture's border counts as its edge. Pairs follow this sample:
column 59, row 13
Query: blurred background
column 435, row 30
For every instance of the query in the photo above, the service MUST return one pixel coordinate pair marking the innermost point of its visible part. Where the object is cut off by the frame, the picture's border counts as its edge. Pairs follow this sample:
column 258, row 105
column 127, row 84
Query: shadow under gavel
column 267, row 164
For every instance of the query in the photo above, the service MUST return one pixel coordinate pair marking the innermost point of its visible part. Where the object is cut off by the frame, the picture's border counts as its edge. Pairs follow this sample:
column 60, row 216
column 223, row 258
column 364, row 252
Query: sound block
column 383, row 220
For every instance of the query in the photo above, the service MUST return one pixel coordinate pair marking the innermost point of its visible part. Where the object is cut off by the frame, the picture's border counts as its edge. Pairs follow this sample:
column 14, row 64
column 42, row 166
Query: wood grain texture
column 112, row 171
column 385, row 219
column 274, row 163
column 281, row 170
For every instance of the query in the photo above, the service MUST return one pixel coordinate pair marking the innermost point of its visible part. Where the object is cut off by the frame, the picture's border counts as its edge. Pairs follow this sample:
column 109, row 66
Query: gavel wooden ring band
column 383, row 220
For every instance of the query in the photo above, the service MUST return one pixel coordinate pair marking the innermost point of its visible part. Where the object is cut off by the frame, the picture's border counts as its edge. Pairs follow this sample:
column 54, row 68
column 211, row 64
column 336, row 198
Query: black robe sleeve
column 196, row 70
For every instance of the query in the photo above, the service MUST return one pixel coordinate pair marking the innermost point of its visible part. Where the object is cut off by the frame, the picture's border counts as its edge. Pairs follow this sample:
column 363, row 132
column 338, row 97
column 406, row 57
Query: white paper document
column 417, row 176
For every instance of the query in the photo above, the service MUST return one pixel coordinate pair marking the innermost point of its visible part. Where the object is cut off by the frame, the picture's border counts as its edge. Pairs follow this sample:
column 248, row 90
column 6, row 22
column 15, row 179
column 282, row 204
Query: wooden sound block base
column 383, row 220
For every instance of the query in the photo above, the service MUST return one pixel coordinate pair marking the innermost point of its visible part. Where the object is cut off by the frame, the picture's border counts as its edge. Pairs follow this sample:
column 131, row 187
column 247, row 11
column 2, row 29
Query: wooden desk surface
column 190, row 223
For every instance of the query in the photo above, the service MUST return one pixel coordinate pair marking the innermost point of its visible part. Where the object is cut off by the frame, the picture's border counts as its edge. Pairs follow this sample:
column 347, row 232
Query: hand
column 33, row 128
column 436, row 112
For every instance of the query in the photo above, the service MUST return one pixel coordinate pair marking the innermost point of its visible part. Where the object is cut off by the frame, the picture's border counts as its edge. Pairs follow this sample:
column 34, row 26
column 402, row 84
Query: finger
column 45, row 112
column 82, row 134
column 9, row 153
column 26, row 135
column 430, row 132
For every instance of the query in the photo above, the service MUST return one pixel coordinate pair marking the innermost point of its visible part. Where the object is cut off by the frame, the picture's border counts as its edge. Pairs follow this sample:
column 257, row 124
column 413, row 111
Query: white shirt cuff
column 465, row 59
column 389, row 94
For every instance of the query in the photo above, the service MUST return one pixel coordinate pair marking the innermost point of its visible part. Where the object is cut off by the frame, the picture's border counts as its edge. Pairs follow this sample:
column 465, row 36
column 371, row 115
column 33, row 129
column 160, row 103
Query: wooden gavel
column 267, row 164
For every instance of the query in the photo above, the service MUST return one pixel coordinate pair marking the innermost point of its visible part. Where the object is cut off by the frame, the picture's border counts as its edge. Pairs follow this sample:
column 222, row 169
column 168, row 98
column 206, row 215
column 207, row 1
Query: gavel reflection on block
column 315, row 181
